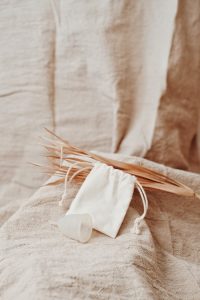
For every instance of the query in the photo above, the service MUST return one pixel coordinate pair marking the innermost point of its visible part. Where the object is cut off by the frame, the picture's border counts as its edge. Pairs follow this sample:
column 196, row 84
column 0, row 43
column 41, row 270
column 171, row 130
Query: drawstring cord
column 67, row 180
column 144, row 199
column 77, row 172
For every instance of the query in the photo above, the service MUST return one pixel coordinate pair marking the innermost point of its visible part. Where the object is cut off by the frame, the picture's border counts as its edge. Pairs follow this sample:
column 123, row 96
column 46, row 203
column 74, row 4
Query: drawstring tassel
column 136, row 229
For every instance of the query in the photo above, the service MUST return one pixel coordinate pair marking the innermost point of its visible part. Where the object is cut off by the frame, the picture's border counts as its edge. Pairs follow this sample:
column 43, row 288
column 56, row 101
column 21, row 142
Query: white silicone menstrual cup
column 76, row 226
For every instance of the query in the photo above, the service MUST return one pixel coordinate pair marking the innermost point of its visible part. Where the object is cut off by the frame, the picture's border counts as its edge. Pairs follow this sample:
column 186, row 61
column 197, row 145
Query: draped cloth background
column 114, row 76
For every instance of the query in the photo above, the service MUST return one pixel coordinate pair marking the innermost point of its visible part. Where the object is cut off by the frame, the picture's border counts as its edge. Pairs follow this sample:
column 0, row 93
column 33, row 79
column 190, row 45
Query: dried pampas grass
column 59, row 150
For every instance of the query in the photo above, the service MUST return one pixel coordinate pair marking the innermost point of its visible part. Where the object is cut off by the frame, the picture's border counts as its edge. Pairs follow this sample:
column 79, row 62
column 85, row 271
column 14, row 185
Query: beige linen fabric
column 26, row 69
column 132, row 69
column 95, row 73
column 84, row 69
column 163, row 262
column 141, row 63
column 75, row 66
column 178, row 113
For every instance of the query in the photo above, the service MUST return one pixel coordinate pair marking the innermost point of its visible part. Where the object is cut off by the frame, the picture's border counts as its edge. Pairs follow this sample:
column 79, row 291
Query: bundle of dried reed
column 77, row 159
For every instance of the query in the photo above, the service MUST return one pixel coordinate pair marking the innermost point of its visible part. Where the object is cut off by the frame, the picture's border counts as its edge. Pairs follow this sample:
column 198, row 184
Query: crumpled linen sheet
column 52, row 69
column 163, row 262
column 90, row 72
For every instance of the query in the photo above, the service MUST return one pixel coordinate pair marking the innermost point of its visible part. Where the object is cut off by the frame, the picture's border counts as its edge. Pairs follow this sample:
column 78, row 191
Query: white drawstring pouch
column 105, row 195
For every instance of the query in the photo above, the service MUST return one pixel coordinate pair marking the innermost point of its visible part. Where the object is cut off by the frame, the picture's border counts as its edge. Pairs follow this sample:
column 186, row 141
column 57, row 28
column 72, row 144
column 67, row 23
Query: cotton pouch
column 105, row 195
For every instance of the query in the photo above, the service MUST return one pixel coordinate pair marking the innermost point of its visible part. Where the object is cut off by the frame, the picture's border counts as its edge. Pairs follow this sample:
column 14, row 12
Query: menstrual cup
column 76, row 226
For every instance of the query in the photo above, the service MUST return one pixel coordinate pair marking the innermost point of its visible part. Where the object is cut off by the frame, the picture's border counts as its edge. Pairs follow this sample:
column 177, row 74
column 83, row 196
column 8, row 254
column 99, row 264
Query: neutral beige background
column 112, row 76
column 108, row 75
